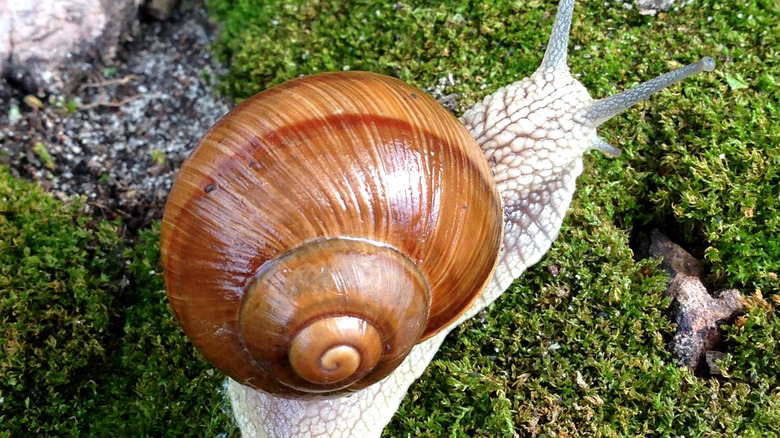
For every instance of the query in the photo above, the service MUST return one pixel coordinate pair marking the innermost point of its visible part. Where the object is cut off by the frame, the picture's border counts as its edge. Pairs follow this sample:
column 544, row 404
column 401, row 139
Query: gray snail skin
column 327, row 234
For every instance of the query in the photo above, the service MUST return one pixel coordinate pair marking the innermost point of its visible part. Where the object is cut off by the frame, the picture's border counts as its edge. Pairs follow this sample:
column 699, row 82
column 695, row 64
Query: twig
column 101, row 84
column 111, row 104
column 104, row 207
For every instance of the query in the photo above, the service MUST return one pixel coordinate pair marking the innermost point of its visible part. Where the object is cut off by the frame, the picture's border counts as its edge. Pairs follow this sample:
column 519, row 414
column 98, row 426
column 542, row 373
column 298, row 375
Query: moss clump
column 58, row 281
column 162, row 383
column 89, row 345
column 583, row 352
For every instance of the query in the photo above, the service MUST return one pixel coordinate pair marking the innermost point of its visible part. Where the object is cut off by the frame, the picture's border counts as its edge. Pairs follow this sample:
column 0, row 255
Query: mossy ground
column 89, row 345
column 582, row 352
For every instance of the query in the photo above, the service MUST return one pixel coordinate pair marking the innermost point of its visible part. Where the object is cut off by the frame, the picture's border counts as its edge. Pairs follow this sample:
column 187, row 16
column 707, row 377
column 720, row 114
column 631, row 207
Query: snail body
column 325, row 236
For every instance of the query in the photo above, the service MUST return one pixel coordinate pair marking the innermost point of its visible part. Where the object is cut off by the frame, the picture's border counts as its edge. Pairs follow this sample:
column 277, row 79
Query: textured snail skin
column 534, row 133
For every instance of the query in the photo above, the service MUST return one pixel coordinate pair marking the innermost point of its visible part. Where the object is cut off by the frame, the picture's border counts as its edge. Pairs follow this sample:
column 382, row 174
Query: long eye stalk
column 557, row 47
column 604, row 109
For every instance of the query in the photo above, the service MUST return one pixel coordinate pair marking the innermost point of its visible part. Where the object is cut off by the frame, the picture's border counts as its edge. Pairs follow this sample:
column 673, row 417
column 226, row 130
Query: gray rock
column 712, row 358
column 48, row 45
column 652, row 7
column 160, row 9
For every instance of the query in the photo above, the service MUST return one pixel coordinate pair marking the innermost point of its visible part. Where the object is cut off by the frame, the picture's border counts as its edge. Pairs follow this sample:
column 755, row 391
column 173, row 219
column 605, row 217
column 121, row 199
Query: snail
column 324, row 236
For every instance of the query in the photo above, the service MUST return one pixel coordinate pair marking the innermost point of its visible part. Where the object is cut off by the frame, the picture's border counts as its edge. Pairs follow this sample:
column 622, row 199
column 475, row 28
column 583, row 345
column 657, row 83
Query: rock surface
column 698, row 314
column 120, row 138
column 652, row 7
column 48, row 46
column 160, row 9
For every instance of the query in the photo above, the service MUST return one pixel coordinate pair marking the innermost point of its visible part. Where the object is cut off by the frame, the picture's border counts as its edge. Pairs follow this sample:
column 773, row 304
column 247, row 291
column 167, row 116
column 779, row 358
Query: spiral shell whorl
column 330, row 312
column 334, row 349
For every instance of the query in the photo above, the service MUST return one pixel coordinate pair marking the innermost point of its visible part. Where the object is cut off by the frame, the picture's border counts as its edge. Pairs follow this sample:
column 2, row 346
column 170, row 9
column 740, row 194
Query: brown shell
column 351, row 154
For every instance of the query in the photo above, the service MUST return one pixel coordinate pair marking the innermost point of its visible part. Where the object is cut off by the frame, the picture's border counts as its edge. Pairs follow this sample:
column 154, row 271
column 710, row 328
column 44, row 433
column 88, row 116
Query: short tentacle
column 600, row 144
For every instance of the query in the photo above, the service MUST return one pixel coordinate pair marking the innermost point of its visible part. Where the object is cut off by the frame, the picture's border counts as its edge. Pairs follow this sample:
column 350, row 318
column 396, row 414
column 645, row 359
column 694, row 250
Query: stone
column 698, row 314
column 652, row 7
column 48, row 46
column 160, row 9
column 712, row 358
column 675, row 259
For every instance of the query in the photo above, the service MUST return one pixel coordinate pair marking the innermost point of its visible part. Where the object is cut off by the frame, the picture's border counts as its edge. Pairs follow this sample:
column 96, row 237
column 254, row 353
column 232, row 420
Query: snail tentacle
column 558, row 46
column 604, row 109
column 599, row 144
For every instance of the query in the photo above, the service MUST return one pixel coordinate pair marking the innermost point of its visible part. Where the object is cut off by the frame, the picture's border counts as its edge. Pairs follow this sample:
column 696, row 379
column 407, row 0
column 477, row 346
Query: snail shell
column 324, row 227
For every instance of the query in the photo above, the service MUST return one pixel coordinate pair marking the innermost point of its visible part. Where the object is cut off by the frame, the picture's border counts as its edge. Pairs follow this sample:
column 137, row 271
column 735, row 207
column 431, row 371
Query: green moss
column 166, row 387
column 700, row 162
column 44, row 155
column 273, row 42
column 584, row 353
column 57, row 300
column 89, row 346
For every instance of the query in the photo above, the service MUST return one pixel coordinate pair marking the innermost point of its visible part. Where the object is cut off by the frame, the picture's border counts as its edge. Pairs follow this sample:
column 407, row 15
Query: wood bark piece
column 698, row 314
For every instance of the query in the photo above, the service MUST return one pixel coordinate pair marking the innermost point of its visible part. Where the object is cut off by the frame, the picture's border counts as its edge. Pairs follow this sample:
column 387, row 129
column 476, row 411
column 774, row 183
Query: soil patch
column 120, row 140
